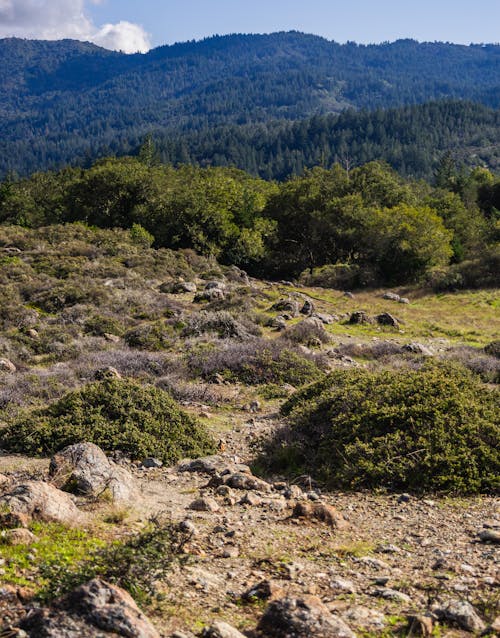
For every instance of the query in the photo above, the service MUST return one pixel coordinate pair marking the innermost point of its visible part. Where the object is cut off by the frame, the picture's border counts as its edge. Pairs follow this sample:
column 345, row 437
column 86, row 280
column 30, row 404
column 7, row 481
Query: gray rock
column 107, row 373
column 461, row 613
column 304, row 617
column 151, row 463
column 386, row 319
column 391, row 296
column 287, row 305
column 489, row 536
column 211, row 465
column 307, row 308
column 404, row 300
column 44, row 502
column 364, row 618
column 6, row 365
column 360, row 317
column 221, row 630
column 418, row 348
column 85, row 469
column 206, row 504
column 251, row 499
column 94, row 610
column 178, row 287
column 325, row 318
column 342, row 584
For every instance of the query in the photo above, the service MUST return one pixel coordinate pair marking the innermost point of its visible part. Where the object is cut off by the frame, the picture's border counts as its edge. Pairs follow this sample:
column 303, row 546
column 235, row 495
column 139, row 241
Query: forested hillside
column 343, row 228
column 68, row 102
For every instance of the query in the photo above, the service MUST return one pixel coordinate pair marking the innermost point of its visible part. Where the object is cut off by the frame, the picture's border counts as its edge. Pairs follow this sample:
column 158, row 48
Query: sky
column 138, row 25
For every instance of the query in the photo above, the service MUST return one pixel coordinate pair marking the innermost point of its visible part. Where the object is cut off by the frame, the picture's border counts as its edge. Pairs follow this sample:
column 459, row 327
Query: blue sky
column 168, row 21
column 136, row 25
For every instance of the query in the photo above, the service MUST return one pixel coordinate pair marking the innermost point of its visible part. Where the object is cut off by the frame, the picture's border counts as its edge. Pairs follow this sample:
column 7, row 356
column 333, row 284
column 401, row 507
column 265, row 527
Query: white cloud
column 57, row 19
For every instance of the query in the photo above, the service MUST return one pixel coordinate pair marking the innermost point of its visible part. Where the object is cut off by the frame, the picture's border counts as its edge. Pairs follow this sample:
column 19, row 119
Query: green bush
column 115, row 414
column 434, row 429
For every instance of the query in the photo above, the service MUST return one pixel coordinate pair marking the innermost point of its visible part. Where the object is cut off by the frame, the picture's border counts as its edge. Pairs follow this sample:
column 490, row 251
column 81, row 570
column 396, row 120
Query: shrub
column 308, row 331
column 152, row 336
column 258, row 361
column 222, row 323
column 435, row 429
column 115, row 414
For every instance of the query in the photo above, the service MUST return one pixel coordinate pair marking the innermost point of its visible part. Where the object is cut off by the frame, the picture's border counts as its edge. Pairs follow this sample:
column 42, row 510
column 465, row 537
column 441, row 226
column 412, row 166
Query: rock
column 111, row 338
column 243, row 481
column 255, row 406
column 19, row 536
column 6, row 365
column 365, row 618
column 375, row 563
column 360, row 317
column 344, row 585
column 188, row 527
column 307, row 308
column 304, row 617
column 325, row 318
column 419, row 625
column 391, row 296
column 321, row 512
column 88, row 611
column 151, row 463
column 251, row 499
column 107, row 373
column 4, row 480
column 489, row 536
column 178, row 287
column 265, row 590
column 404, row 300
column 215, row 285
column 221, row 630
column 231, row 551
column 461, row 613
column 85, row 469
column 293, row 492
column 386, row 319
column 404, row 498
column 278, row 323
column 392, row 594
column 44, row 502
column 206, row 504
column 287, row 305
column 211, row 465
column 418, row 348
column 211, row 294
column 348, row 294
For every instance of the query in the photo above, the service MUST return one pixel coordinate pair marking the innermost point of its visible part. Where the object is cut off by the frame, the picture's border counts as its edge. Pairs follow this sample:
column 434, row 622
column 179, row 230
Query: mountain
column 67, row 101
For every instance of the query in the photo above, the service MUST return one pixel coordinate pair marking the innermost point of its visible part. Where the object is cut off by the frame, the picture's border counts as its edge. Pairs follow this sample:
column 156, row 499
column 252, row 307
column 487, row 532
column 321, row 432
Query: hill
column 65, row 102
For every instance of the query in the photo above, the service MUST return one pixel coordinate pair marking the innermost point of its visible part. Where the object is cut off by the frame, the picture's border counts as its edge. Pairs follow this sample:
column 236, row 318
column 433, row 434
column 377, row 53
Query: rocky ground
column 381, row 563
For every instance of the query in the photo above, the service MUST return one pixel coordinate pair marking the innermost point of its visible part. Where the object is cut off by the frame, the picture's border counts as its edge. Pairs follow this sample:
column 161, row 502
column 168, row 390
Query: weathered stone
column 221, row 630
column 42, row 501
column 419, row 625
column 107, row 373
column 365, row 618
column 461, row 613
column 206, row 504
column 418, row 348
column 321, row 512
column 265, row 590
column 152, row 463
column 325, row 318
column 386, row 319
column 307, row 308
column 489, row 536
column 304, row 617
column 344, row 585
column 178, row 287
column 360, row 317
column 391, row 296
column 19, row 536
column 87, row 612
column 6, row 365
column 84, row 469
column 211, row 465
column 287, row 305
column 251, row 499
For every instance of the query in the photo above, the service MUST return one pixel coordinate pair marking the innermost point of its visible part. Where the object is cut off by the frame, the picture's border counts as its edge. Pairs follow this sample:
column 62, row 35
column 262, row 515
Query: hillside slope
column 67, row 101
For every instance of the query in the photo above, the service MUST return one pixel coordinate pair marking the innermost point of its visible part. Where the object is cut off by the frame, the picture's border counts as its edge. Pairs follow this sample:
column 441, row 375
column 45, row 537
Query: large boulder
column 304, row 617
column 44, row 502
column 85, row 469
column 94, row 610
